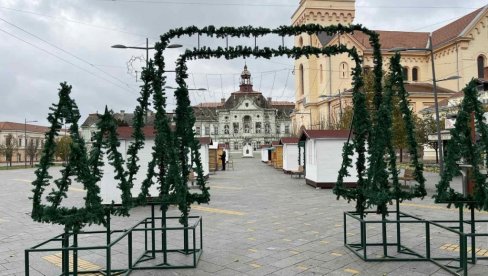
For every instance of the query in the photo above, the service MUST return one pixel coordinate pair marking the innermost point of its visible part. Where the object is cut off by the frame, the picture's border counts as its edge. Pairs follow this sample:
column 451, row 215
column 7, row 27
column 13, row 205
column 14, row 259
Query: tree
column 32, row 150
column 9, row 148
column 63, row 147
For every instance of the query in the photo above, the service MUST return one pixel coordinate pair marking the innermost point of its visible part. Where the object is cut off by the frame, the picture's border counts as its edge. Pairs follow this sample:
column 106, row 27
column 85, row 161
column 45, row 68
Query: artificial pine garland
column 461, row 147
column 78, row 165
column 379, row 191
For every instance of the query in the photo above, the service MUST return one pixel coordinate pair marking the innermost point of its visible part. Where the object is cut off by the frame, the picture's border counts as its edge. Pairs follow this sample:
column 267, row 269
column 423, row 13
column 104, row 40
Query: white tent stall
column 323, row 157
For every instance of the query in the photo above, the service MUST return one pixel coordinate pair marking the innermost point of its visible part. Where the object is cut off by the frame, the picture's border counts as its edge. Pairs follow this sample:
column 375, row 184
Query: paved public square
column 259, row 222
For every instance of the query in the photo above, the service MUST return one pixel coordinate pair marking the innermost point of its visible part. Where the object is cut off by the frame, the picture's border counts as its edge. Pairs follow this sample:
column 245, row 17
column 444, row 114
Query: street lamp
column 147, row 48
column 25, row 140
column 189, row 89
column 436, row 102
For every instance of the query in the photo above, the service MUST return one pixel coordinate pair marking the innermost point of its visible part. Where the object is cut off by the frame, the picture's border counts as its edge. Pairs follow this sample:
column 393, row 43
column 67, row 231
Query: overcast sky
column 45, row 42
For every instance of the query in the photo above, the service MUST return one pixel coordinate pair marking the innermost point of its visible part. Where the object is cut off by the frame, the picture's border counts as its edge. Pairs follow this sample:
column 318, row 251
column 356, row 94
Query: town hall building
column 246, row 118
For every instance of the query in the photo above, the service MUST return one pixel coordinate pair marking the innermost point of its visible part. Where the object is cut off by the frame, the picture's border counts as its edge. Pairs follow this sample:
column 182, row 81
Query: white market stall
column 265, row 153
column 290, row 154
column 323, row 157
column 204, row 150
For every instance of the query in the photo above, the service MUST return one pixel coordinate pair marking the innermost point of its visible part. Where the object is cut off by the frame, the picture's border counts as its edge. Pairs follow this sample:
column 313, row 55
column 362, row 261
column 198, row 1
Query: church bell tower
column 324, row 12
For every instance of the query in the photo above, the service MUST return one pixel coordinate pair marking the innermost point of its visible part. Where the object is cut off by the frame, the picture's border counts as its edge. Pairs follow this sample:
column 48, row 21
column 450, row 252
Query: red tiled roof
column 317, row 134
column 394, row 39
column 275, row 143
column 22, row 127
column 125, row 132
column 454, row 29
column 425, row 87
column 397, row 39
column 289, row 140
column 205, row 140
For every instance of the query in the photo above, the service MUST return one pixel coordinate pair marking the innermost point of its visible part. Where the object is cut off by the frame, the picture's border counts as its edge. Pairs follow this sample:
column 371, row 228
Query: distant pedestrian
column 222, row 157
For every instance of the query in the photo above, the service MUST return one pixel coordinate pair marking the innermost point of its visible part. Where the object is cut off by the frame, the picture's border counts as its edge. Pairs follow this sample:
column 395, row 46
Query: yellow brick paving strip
column 218, row 211
column 437, row 207
column 82, row 264
column 352, row 271
column 455, row 248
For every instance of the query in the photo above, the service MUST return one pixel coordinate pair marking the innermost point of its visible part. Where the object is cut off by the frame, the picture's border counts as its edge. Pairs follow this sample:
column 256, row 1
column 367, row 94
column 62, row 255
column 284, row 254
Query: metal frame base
column 68, row 245
column 402, row 253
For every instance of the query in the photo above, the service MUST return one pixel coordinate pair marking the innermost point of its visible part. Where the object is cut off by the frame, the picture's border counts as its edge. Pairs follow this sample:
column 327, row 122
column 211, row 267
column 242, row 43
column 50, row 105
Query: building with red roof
column 323, row 83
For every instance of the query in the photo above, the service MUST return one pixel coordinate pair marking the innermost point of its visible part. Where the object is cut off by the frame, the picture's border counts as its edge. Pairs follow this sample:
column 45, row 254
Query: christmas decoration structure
column 84, row 169
column 463, row 150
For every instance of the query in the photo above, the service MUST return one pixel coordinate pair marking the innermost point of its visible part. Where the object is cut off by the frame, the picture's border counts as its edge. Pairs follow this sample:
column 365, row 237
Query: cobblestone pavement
column 259, row 222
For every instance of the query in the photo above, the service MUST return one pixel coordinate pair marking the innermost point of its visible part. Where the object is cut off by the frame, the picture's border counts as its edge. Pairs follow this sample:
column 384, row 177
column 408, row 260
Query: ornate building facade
column 245, row 118
column 459, row 50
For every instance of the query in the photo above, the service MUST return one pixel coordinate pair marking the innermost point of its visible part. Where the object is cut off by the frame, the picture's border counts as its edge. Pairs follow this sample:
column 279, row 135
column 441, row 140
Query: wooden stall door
column 212, row 160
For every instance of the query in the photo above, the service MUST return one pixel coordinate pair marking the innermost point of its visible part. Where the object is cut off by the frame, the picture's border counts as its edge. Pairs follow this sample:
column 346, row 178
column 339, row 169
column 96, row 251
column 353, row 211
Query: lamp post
column 189, row 89
column 147, row 48
column 436, row 102
column 25, row 140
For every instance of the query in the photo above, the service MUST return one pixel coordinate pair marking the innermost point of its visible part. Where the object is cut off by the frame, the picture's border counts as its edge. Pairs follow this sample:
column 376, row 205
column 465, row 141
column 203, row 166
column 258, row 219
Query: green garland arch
column 361, row 125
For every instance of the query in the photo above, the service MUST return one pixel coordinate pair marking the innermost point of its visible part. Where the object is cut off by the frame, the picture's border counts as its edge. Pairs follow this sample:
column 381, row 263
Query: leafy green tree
column 9, row 148
column 63, row 148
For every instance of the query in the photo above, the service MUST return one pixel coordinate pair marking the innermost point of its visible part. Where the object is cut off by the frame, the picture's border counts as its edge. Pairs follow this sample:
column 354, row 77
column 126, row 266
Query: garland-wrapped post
column 106, row 138
column 380, row 191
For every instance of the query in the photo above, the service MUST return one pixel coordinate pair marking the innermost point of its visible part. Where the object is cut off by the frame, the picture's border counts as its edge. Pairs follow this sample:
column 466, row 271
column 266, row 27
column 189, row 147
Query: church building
column 246, row 118
column 323, row 84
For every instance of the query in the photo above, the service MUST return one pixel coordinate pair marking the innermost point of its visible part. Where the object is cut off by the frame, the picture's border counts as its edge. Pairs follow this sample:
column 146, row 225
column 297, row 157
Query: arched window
column 300, row 41
column 481, row 66
column 302, row 80
column 344, row 70
column 247, row 124
column 226, row 129
column 415, row 74
column 405, row 73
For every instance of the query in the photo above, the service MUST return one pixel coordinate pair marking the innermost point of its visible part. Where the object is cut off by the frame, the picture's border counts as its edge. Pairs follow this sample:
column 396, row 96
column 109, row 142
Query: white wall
column 264, row 154
column 324, row 160
column 290, row 157
column 204, row 159
column 108, row 185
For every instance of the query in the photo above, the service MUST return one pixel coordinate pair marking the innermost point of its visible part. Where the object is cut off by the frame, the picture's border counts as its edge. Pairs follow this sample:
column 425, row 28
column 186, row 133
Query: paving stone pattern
column 259, row 222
